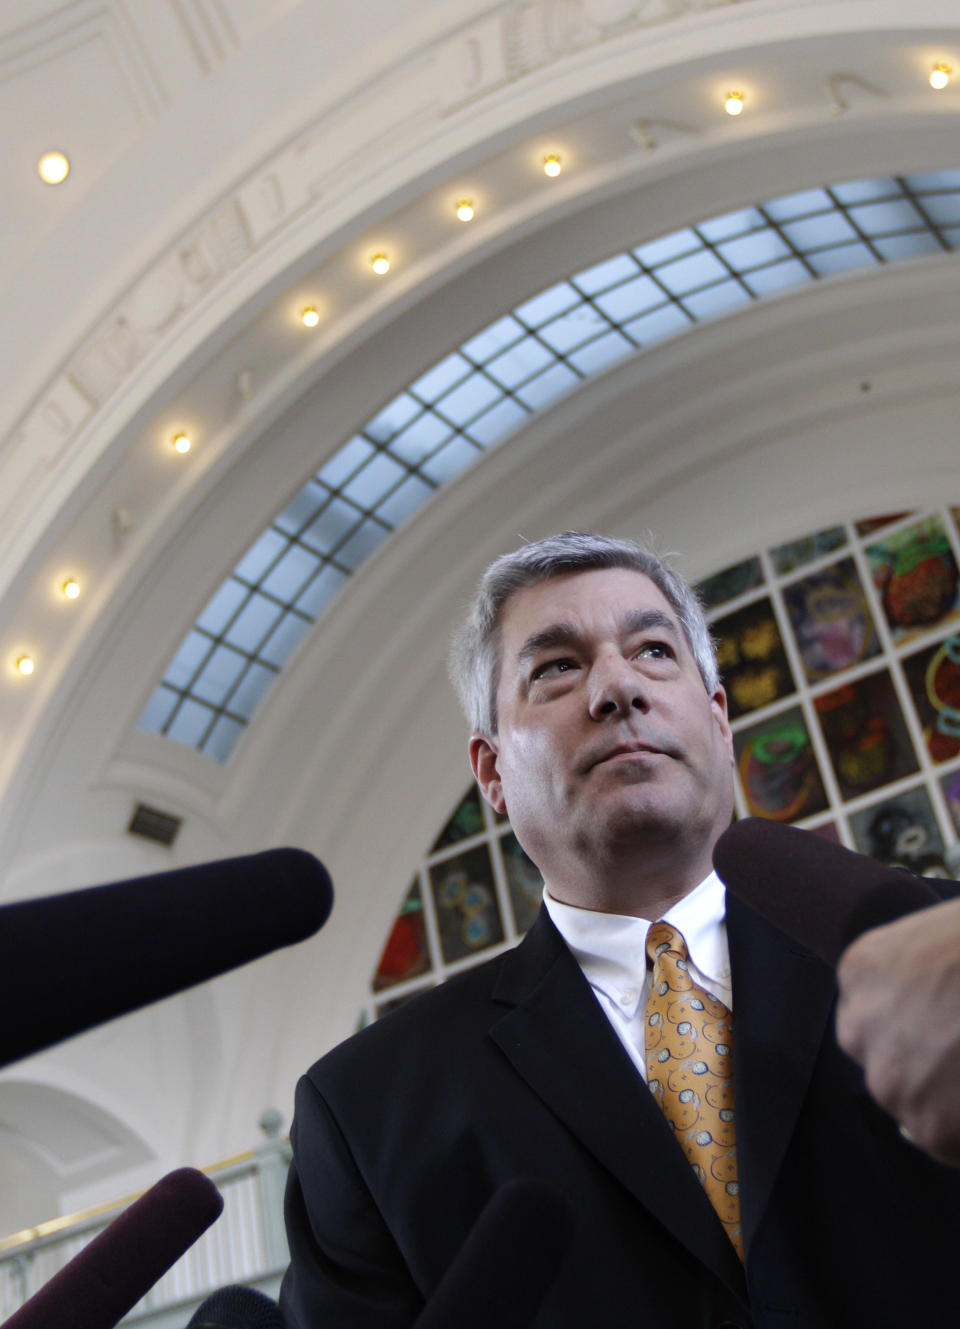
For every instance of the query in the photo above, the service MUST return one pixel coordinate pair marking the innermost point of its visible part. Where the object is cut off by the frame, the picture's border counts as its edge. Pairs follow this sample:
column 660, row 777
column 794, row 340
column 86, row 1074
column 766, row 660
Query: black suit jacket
column 404, row 1132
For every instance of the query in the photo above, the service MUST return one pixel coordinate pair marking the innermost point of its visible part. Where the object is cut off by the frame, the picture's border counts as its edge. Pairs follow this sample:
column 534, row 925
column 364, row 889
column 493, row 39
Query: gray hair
column 475, row 652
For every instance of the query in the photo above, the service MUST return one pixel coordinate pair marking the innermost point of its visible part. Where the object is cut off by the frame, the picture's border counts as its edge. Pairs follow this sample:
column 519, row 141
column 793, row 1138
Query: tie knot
column 663, row 937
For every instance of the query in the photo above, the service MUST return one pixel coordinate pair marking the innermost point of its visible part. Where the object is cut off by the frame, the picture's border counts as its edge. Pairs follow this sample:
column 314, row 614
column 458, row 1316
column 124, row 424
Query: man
column 601, row 728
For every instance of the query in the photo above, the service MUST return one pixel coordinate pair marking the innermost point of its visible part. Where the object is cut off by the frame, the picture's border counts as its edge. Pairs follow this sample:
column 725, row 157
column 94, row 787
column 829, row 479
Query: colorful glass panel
column 730, row 583
column 753, row 663
column 795, row 553
column 903, row 832
column 778, row 768
column 406, row 953
column 465, row 899
column 865, row 734
column 934, row 679
column 915, row 574
column 831, row 620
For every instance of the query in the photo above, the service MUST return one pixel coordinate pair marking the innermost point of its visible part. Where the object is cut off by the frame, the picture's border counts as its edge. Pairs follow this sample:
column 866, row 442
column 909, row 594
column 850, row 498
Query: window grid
column 478, row 394
column 928, row 791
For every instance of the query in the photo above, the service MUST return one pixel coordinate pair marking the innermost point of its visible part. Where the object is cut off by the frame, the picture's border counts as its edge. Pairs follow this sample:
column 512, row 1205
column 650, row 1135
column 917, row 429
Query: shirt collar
column 611, row 948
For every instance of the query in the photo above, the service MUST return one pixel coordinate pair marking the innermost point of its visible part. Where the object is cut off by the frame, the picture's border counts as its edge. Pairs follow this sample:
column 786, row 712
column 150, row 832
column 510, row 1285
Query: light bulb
column 552, row 165
column 54, row 167
column 182, row 443
column 25, row 665
column 733, row 105
column 380, row 264
column 940, row 75
column 310, row 317
column 71, row 588
column 465, row 210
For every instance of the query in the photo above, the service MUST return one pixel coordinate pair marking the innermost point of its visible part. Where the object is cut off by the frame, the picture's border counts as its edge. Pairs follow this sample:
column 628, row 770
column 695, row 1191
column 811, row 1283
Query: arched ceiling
column 233, row 162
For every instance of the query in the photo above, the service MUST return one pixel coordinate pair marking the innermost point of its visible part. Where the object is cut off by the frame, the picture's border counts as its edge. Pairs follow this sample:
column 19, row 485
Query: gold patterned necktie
column 689, row 1037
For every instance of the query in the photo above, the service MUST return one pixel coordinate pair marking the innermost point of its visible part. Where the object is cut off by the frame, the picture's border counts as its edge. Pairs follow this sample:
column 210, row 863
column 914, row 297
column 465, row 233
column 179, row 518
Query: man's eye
column 551, row 668
column 658, row 650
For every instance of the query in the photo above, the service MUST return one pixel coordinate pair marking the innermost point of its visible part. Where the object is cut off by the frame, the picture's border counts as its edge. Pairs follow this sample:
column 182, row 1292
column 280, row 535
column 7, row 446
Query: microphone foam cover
column 237, row 1307
column 122, row 1263
column 508, row 1262
column 818, row 893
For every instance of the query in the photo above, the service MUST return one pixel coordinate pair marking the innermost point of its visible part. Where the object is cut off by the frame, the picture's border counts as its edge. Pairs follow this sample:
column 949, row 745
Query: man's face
column 607, row 739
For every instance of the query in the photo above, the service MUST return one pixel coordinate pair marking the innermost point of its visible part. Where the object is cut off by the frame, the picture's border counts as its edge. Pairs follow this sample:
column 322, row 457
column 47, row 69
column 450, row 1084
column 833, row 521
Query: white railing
column 246, row 1244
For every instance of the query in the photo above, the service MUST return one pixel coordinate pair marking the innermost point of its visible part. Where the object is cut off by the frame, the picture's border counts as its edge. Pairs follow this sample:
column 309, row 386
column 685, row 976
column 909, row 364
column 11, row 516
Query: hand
column 899, row 1017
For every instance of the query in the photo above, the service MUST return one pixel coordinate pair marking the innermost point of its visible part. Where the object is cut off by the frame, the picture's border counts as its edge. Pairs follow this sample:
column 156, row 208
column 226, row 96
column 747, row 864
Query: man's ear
column 484, row 758
column 718, row 704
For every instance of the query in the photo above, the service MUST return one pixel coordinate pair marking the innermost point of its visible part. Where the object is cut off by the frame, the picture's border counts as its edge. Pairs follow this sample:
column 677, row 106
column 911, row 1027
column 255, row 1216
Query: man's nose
column 615, row 687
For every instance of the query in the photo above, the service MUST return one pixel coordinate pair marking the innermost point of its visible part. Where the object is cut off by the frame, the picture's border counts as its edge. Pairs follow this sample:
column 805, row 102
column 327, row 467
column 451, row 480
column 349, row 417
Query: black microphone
column 508, row 1263
column 818, row 893
column 107, row 1278
column 69, row 962
column 237, row 1307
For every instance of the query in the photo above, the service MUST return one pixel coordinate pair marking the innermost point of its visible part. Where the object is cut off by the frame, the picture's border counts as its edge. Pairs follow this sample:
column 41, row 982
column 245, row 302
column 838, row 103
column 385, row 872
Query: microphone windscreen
column 507, row 1264
column 818, row 893
column 110, row 1275
column 69, row 962
column 236, row 1307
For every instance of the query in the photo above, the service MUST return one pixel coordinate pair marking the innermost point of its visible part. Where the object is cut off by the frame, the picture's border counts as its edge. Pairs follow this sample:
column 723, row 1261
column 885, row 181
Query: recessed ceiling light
column 552, row 165
column 54, row 167
column 940, row 75
column 310, row 316
column 182, row 442
column 465, row 209
column 25, row 665
column 71, row 588
column 380, row 264
column 733, row 103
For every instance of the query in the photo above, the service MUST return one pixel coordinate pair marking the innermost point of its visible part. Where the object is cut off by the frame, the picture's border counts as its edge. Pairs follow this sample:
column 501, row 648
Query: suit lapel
column 560, row 1042
column 782, row 1002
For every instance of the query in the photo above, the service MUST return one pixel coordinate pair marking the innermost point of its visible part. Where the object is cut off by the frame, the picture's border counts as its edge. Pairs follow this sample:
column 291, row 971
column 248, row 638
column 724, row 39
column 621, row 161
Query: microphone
column 237, row 1307
column 122, row 1263
column 508, row 1263
column 69, row 962
column 818, row 893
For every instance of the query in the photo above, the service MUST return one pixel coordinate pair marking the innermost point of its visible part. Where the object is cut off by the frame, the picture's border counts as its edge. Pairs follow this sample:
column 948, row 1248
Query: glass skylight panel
column 489, row 387
column 825, row 262
column 374, row 482
column 573, row 329
column 777, row 277
column 548, row 304
column 332, row 526
column 731, row 224
column 286, row 578
column 606, row 274
column 942, row 209
column 919, row 245
column 219, row 675
column 548, row 386
column 260, row 556
column 194, row 649
column 634, row 297
column 302, row 508
column 689, row 274
column 714, row 300
column 497, row 337
column 250, row 689
column 222, row 606
column 321, row 589
column 404, row 500
column 253, row 623
column 278, row 648
column 882, row 218
column 496, row 423
column 345, row 461
column 798, row 205
column 470, row 399
column 454, row 457
column 361, row 543
column 420, row 439
column 441, row 378
column 819, row 232
column 392, row 418
column 659, row 325
column 750, row 251
column 668, row 247
column 520, row 362
column 597, row 355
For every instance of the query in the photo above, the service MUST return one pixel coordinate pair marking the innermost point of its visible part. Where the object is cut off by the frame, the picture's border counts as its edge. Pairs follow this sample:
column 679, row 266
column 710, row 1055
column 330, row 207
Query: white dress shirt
column 611, row 951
